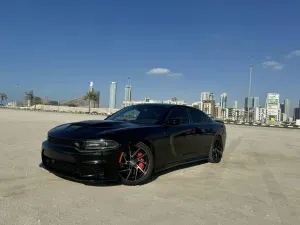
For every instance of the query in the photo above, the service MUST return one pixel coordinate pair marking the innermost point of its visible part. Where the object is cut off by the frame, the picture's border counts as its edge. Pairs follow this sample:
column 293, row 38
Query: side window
column 179, row 113
column 198, row 116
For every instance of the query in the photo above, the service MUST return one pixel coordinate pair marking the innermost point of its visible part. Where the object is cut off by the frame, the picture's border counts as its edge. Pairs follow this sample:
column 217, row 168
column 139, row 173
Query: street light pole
column 249, row 92
column 58, row 102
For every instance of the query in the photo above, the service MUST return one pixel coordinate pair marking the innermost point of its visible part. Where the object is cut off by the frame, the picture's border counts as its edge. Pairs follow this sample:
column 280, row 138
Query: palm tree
column 174, row 99
column 91, row 96
column 37, row 100
column 3, row 97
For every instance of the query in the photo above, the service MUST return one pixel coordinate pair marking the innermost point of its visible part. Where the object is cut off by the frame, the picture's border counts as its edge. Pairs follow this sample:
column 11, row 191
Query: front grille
column 59, row 165
column 66, row 142
column 64, row 166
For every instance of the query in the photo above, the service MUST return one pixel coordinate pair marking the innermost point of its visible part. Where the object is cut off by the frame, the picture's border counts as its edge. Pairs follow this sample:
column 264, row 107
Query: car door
column 203, row 132
column 179, row 135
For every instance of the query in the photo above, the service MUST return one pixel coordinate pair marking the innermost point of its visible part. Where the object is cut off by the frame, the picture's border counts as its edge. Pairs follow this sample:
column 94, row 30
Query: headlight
column 100, row 144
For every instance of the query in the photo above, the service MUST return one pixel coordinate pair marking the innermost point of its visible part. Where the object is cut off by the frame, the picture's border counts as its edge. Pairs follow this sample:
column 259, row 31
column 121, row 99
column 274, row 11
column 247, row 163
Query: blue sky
column 206, row 46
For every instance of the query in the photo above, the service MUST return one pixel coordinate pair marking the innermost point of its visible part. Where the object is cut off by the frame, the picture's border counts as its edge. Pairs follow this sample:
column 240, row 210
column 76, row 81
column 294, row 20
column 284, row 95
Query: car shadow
column 155, row 175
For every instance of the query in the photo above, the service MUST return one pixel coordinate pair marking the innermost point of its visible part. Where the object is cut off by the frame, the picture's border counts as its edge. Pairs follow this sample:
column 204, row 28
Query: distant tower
column 288, row 108
column 255, row 103
column 235, row 104
column 91, row 86
column 97, row 103
column 223, row 101
column 204, row 96
column 248, row 103
column 128, row 91
column 113, row 95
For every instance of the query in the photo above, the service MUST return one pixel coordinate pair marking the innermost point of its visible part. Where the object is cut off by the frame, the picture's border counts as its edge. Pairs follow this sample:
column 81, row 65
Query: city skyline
column 273, row 111
column 254, row 101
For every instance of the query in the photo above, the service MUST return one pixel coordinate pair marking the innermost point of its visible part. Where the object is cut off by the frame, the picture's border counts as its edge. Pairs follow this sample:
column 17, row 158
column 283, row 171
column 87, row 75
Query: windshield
column 149, row 114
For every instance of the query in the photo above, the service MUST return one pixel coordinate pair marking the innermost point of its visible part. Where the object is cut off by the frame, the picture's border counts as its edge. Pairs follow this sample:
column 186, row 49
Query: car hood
column 90, row 129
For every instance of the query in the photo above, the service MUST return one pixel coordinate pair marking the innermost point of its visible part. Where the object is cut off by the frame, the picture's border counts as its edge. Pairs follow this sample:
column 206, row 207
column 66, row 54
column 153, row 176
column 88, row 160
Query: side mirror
column 173, row 122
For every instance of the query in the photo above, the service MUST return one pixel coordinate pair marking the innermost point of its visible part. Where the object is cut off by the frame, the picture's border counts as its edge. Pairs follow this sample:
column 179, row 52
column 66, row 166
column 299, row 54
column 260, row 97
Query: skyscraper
column 113, row 95
column 288, row 107
column 273, row 107
column 250, row 102
column 282, row 107
column 255, row 102
column 297, row 113
column 235, row 106
column 223, row 100
column 204, row 96
column 128, row 93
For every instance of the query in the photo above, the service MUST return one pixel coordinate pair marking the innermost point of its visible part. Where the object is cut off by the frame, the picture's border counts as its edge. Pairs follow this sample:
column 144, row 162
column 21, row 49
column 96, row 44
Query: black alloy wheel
column 216, row 151
column 136, row 165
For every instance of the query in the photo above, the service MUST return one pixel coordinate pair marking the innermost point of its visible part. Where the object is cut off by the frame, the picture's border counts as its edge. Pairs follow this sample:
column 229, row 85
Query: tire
column 216, row 151
column 133, row 170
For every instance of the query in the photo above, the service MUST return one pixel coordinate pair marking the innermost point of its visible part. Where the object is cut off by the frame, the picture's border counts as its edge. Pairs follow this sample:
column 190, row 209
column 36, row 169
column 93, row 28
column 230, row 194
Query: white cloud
column 293, row 53
column 159, row 71
column 273, row 65
column 163, row 71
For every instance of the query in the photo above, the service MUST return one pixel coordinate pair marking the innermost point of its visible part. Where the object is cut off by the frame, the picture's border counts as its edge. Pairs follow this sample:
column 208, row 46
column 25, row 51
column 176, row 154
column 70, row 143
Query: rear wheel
column 216, row 151
column 136, row 165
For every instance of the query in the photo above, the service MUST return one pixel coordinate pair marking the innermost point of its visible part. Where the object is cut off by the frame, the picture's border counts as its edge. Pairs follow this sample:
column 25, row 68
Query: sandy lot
column 257, row 182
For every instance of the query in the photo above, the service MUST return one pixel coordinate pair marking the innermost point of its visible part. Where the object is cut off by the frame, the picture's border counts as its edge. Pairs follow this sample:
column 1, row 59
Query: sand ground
column 257, row 182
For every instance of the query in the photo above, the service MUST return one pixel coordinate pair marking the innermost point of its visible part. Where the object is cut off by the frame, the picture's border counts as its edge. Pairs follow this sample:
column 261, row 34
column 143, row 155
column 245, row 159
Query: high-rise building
column 255, row 102
column 282, row 107
column 97, row 103
column 113, row 95
column 223, row 100
column 288, row 108
column 207, row 96
column 250, row 102
column 259, row 114
column 208, row 106
column 297, row 113
column 235, row 106
column 128, row 93
column 204, row 96
column 273, row 107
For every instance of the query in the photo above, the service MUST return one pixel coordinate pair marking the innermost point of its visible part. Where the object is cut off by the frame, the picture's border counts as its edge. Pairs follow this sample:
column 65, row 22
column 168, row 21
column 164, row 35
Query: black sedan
column 133, row 143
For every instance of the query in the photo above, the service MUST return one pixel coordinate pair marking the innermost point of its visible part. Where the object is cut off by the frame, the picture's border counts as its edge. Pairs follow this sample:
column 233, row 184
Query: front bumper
column 85, row 167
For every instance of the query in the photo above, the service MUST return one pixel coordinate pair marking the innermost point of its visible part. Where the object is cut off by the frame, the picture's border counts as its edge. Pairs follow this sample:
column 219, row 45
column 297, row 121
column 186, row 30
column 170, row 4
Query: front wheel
column 136, row 165
column 216, row 151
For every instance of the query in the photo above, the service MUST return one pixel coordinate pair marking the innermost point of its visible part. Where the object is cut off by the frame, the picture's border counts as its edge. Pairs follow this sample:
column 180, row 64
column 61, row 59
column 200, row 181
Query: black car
column 132, row 143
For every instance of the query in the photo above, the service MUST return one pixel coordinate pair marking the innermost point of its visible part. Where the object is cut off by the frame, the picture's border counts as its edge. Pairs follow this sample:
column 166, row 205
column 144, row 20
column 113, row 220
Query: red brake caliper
column 141, row 164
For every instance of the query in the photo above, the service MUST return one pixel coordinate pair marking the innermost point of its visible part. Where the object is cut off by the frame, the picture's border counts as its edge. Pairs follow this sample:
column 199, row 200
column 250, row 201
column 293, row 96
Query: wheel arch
column 150, row 145
column 221, row 138
column 146, row 142
column 218, row 136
